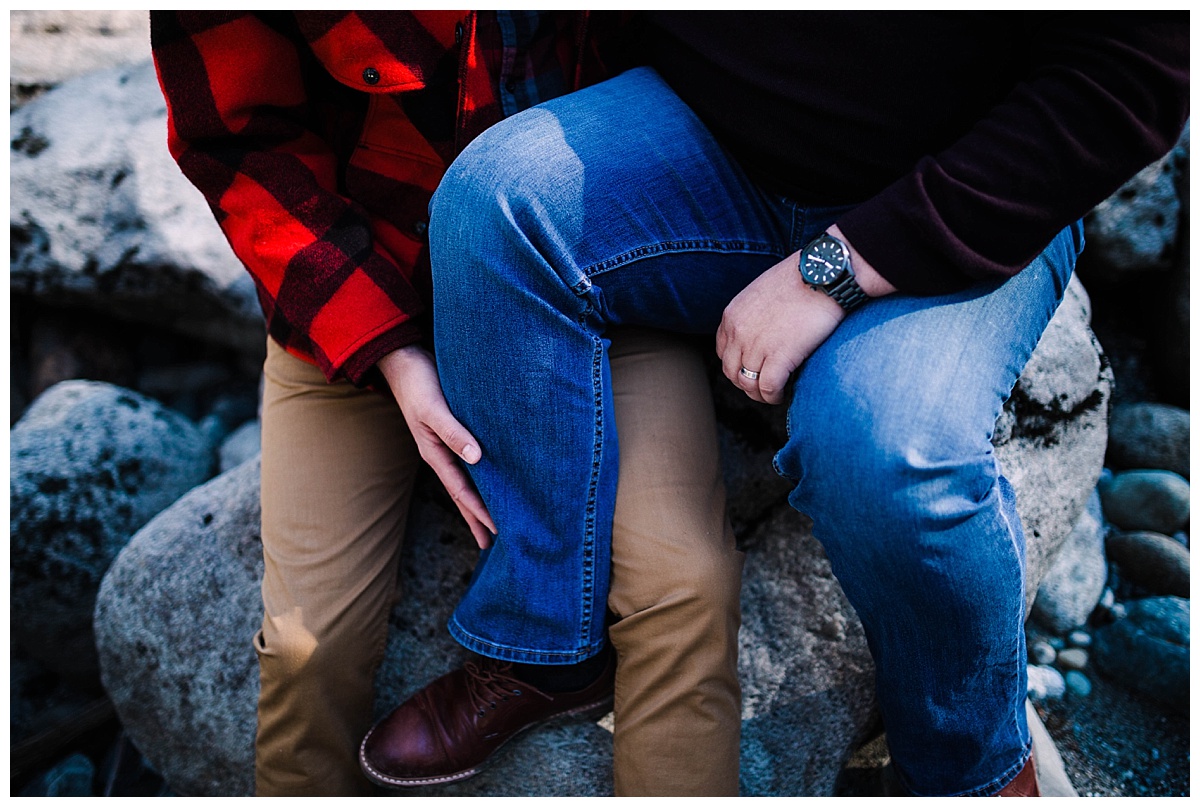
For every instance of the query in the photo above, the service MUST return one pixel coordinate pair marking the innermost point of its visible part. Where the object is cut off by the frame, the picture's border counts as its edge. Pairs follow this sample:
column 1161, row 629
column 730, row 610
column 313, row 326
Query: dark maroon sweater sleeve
column 1105, row 95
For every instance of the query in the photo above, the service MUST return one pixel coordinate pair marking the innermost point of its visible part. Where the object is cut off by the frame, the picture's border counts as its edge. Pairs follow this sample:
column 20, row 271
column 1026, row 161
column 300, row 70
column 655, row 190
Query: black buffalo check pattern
column 318, row 138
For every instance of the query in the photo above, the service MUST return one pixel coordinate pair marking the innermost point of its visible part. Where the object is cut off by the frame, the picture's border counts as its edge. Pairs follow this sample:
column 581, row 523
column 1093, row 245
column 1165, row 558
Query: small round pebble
column 1042, row 653
column 1117, row 610
column 1056, row 642
column 1182, row 537
column 1078, row 684
column 1046, row 683
column 1108, row 599
column 1079, row 638
column 1074, row 658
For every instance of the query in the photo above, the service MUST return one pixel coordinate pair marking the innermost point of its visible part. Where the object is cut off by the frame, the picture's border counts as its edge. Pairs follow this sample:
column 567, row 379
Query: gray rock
column 1078, row 684
column 1108, row 599
column 1147, row 651
column 1042, row 653
column 806, row 696
column 89, row 464
column 807, row 679
column 100, row 215
column 1056, row 451
column 174, row 635
column 243, row 444
column 1172, row 326
column 190, row 578
column 1080, row 638
column 1072, row 587
column 1134, row 230
column 1155, row 562
column 1149, row 435
column 1156, row 501
column 49, row 47
column 1045, row 683
column 1062, row 375
column 1182, row 156
column 1073, row 658
column 71, row 777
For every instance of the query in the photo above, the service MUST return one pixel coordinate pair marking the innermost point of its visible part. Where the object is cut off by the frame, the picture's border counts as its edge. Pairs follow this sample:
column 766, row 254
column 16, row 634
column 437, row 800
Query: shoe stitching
column 497, row 674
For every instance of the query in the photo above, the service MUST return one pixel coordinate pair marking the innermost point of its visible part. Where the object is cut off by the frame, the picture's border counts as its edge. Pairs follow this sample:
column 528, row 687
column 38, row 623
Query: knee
column 688, row 591
column 293, row 654
column 897, row 478
column 506, row 177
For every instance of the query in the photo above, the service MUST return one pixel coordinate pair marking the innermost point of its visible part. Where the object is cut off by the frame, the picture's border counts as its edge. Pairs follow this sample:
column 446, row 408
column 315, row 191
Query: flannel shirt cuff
column 360, row 368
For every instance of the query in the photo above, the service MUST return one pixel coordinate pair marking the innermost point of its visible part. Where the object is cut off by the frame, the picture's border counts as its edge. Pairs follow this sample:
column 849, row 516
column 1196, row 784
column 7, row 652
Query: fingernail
column 471, row 454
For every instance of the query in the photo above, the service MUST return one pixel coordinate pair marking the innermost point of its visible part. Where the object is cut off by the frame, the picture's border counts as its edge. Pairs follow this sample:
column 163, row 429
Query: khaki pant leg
column 676, row 578
column 338, row 466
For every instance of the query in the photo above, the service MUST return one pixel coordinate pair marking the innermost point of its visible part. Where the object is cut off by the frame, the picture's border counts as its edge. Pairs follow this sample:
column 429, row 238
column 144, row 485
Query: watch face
column 823, row 261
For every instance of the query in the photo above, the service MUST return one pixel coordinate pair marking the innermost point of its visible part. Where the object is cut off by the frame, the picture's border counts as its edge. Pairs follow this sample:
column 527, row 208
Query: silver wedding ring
column 750, row 374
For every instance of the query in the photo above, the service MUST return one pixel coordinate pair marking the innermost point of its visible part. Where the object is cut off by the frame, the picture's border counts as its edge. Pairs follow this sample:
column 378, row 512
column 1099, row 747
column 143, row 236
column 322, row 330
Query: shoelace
column 486, row 685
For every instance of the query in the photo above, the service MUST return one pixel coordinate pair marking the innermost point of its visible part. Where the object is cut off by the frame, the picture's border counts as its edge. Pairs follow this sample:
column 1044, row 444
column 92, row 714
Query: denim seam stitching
column 689, row 245
column 589, row 532
column 1015, row 531
column 1005, row 778
column 473, row 642
column 996, row 784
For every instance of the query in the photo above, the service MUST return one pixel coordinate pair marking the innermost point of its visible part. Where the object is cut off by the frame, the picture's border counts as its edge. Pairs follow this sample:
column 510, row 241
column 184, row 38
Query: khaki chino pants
column 338, row 467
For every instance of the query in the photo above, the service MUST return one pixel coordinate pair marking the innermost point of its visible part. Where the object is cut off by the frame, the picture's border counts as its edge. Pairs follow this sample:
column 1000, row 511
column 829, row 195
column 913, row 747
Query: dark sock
column 563, row 677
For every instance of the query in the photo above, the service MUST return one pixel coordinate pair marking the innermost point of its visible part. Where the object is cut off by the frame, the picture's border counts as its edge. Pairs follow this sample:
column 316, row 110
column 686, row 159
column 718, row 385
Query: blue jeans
column 615, row 205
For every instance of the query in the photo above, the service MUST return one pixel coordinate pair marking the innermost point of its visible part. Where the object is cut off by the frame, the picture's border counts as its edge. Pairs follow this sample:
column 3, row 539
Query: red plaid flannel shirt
column 318, row 138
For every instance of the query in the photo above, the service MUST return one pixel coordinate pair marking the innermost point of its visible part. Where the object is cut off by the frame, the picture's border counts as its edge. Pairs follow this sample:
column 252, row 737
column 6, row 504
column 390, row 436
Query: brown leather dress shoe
column 449, row 729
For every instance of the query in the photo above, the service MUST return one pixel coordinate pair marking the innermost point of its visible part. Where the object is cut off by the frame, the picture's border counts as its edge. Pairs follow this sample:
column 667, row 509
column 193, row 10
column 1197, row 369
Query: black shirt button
column 458, row 34
column 371, row 75
column 420, row 228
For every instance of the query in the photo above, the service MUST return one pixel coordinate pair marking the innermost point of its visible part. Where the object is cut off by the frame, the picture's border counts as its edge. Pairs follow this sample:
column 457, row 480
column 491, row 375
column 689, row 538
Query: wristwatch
column 825, row 265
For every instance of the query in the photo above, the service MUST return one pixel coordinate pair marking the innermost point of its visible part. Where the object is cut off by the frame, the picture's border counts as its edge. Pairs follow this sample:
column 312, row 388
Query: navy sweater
column 967, row 139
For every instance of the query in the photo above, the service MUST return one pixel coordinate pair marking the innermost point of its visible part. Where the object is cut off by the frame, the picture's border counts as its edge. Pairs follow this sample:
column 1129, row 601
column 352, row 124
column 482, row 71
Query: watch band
column 848, row 294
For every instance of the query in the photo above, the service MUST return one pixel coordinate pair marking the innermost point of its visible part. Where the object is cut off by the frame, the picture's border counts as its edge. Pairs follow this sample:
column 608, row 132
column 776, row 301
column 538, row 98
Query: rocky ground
column 1116, row 745
column 1113, row 742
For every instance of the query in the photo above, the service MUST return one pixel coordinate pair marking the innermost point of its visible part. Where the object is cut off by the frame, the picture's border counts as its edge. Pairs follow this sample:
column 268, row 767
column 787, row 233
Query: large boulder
column 1172, row 326
column 1134, row 230
column 47, row 47
column 178, row 608
column 1058, row 412
column 89, row 464
column 175, row 621
column 101, row 216
column 1148, row 651
column 1074, row 583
